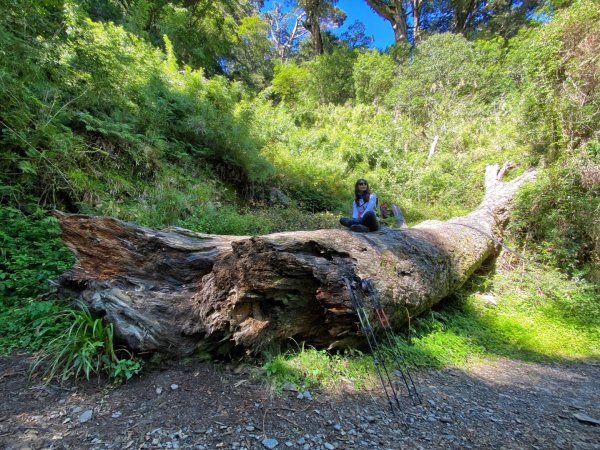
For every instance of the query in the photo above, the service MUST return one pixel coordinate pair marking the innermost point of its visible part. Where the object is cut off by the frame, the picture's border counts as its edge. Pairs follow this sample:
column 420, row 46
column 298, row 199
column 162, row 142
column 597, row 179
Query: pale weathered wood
column 432, row 147
column 175, row 291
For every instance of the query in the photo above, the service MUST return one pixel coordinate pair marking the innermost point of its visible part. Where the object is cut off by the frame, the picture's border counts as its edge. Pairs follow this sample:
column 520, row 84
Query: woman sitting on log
column 363, row 209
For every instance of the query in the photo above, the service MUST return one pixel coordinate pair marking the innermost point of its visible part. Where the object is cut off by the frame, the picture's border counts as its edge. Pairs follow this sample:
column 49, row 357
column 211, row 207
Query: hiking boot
column 358, row 228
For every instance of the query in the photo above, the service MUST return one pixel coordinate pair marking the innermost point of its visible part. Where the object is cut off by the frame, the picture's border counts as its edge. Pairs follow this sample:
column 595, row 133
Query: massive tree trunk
column 395, row 13
column 175, row 291
column 314, row 9
column 315, row 33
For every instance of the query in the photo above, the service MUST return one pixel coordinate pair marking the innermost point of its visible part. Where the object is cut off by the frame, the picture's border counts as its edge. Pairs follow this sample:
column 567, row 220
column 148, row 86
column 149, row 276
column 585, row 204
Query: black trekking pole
column 390, row 337
column 378, row 357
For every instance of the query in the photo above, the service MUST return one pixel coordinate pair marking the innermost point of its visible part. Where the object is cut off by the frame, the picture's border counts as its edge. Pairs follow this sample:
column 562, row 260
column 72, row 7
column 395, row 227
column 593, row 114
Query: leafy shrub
column 257, row 221
column 125, row 369
column 99, row 100
column 558, row 215
column 19, row 325
column 330, row 78
column 373, row 75
column 31, row 254
column 445, row 71
column 556, row 74
column 289, row 82
column 252, row 53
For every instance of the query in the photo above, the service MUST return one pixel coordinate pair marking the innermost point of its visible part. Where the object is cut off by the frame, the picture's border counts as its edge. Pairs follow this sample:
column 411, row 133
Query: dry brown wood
column 175, row 291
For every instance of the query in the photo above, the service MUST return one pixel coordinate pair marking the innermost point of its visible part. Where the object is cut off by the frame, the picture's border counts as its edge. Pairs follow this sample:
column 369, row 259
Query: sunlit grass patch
column 438, row 345
column 309, row 367
column 416, row 212
column 540, row 315
column 559, row 317
column 256, row 221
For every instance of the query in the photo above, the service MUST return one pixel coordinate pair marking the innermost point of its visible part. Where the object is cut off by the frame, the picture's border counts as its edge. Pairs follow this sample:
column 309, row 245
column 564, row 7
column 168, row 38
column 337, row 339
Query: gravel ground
column 503, row 404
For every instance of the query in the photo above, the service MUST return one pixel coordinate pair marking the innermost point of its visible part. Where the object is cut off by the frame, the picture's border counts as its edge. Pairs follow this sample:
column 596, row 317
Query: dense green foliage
column 96, row 117
column 31, row 255
column 176, row 113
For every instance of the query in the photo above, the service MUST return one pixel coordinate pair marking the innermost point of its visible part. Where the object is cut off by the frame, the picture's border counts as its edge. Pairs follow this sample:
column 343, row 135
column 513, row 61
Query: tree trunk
column 314, row 9
column 464, row 16
column 416, row 14
column 174, row 291
column 395, row 13
column 400, row 30
column 315, row 33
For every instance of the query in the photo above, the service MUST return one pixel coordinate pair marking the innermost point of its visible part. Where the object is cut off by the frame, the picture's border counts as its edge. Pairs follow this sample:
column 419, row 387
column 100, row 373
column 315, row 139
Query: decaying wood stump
column 174, row 290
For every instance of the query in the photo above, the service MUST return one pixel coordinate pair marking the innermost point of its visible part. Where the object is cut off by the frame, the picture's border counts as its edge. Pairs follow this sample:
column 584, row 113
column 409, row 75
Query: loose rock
column 270, row 443
column 85, row 416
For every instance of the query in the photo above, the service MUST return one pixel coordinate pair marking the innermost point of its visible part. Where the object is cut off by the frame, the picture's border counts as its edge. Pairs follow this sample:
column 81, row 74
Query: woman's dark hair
column 366, row 194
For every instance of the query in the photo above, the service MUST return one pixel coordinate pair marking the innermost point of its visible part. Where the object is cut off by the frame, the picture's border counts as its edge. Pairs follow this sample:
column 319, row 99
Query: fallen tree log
column 175, row 291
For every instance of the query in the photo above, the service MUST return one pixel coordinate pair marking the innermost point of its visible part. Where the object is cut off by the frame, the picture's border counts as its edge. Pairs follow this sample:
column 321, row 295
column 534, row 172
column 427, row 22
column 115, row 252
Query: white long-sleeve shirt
column 363, row 207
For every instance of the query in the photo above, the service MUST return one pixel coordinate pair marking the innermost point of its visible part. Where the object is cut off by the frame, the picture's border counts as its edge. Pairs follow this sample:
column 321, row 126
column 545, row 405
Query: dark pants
column 368, row 220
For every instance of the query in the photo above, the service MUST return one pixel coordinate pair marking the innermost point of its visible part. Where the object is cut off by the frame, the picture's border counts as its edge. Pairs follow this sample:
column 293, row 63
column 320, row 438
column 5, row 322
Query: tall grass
column 85, row 347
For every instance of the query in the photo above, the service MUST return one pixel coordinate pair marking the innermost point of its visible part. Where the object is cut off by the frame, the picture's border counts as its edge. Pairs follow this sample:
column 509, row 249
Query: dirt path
column 505, row 404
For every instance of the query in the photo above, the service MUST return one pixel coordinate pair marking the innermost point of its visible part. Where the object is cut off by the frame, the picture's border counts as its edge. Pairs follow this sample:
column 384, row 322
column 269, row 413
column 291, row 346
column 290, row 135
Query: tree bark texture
column 314, row 9
column 394, row 12
column 175, row 291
